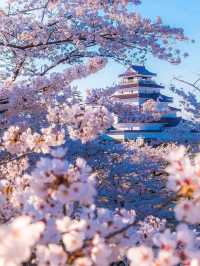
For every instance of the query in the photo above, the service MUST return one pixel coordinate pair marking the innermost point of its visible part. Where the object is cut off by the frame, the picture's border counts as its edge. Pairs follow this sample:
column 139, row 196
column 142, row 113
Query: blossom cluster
column 83, row 122
column 57, row 179
column 17, row 240
column 33, row 96
column 184, row 180
column 61, row 195
column 177, row 248
column 18, row 140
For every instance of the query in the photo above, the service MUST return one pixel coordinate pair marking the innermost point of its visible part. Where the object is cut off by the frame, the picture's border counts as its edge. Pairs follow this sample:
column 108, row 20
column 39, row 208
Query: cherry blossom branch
column 196, row 81
column 15, row 158
column 18, row 69
column 109, row 236
column 125, row 228
column 188, row 83
column 66, row 59
column 24, row 11
column 25, row 47
column 44, row 10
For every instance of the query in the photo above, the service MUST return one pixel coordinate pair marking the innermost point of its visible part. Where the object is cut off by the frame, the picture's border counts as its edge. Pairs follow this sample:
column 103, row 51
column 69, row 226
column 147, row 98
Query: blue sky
column 179, row 13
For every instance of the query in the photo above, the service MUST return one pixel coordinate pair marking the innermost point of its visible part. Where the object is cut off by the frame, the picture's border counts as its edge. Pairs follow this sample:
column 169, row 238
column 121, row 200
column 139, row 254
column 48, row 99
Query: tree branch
column 17, row 70
column 188, row 83
column 44, row 10
column 196, row 81
column 15, row 158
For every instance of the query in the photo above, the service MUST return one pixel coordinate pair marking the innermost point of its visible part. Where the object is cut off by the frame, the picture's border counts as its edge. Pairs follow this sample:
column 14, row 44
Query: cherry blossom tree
column 49, row 213
column 37, row 36
column 51, row 35
column 188, row 96
column 182, row 246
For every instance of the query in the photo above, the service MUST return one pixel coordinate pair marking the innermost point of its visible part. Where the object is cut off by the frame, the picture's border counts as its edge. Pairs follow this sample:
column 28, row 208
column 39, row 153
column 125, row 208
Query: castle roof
column 140, row 84
column 138, row 70
column 154, row 96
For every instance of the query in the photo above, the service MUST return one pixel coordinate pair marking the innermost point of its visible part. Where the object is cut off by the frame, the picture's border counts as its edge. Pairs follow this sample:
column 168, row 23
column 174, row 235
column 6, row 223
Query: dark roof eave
column 155, row 96
column 136, row 75
column 142, row 70
column 122, row 86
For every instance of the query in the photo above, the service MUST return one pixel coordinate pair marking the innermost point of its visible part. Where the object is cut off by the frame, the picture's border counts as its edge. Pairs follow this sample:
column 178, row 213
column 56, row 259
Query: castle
column 137, row 87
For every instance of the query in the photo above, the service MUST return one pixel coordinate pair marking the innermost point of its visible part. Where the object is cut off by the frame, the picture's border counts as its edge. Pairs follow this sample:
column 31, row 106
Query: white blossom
column 141, row 256
column 52, row 255
column 17, row 239
column 73, row 240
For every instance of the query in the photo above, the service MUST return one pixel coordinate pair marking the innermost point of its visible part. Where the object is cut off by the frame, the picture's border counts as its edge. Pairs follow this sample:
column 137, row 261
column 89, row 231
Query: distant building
column 137, row 86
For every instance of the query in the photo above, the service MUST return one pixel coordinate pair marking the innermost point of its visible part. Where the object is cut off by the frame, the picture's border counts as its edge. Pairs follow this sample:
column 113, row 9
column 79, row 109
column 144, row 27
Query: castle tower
column 137, row 86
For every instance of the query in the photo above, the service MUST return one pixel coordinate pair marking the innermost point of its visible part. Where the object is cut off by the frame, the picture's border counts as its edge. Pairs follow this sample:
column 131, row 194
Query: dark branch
column 16, row 158
column 188, row 83
column 18, row 69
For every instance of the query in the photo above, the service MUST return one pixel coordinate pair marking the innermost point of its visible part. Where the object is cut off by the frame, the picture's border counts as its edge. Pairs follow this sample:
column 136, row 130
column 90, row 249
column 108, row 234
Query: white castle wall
column 161, row 136
column 139, row 126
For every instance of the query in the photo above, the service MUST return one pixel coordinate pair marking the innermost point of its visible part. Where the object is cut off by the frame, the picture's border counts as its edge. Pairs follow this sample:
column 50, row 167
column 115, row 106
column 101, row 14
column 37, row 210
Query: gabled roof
column 138, row 70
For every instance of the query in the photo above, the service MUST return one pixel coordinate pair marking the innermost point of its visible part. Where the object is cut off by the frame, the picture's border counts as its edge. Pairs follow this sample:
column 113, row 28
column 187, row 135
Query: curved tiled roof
column 139, row 70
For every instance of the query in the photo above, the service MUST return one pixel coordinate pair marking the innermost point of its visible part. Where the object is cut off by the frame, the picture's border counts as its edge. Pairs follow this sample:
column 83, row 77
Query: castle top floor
column 135, row 74
column 137, row 77
column 137, row 71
